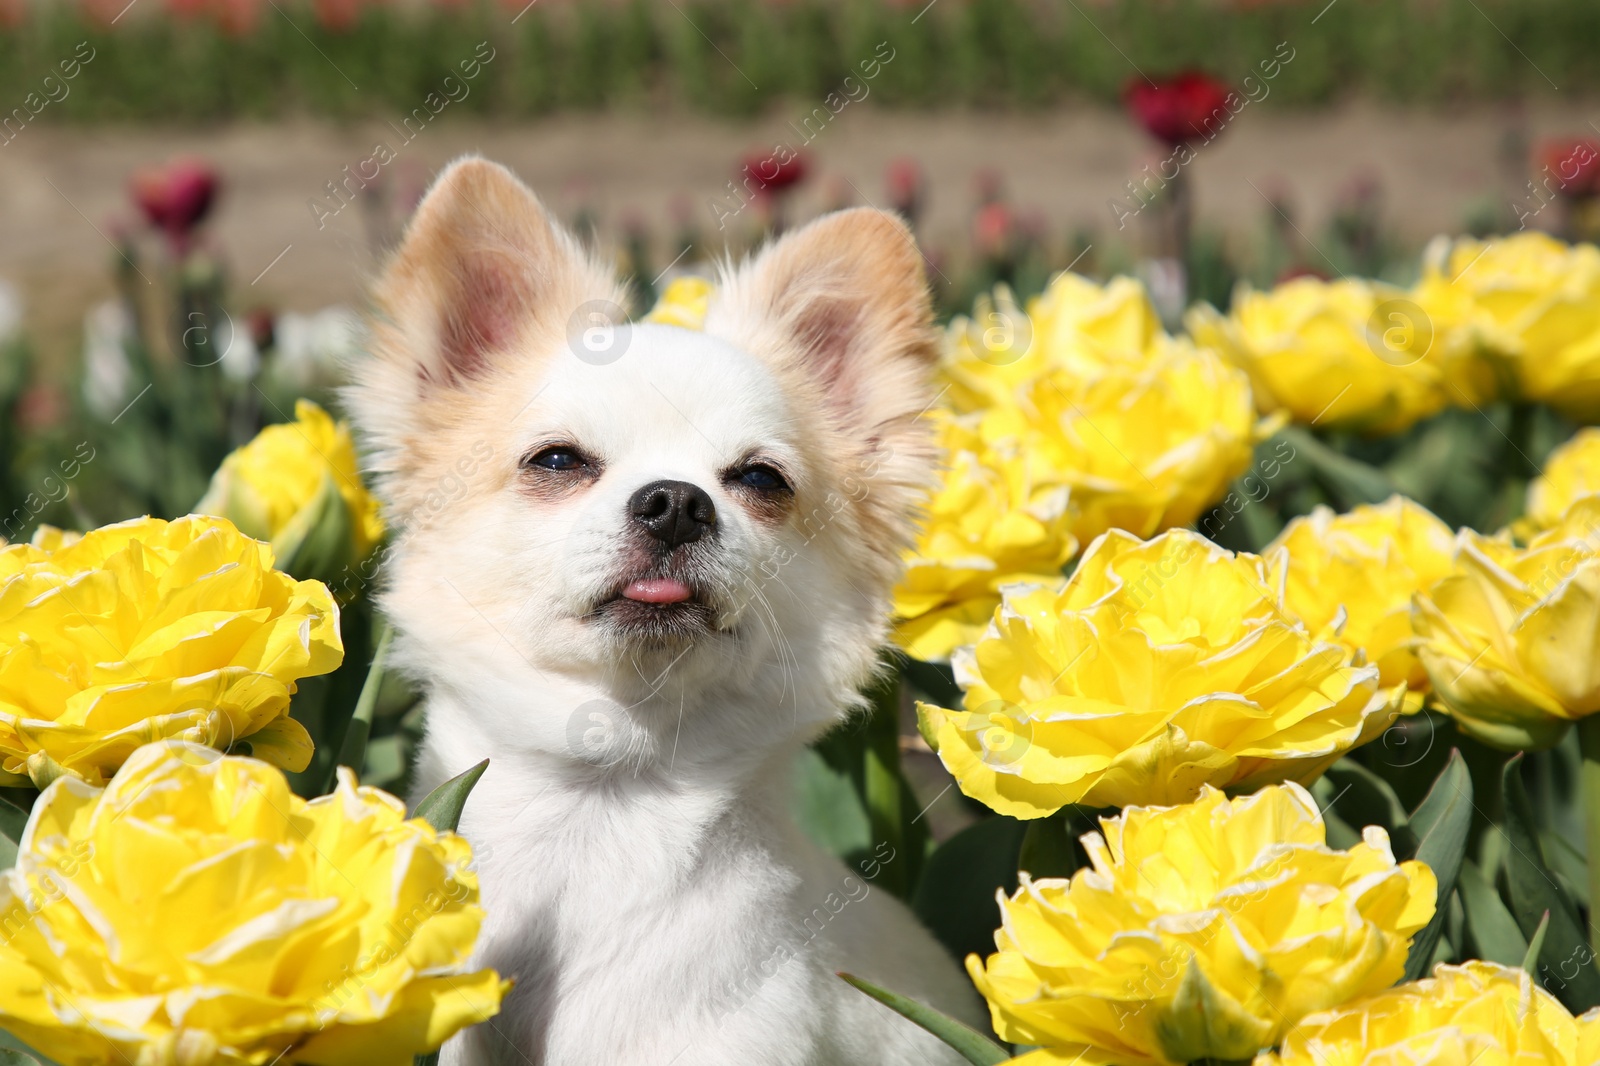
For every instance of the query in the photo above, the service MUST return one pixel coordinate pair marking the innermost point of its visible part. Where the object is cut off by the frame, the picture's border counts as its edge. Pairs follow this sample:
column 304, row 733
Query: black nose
column 675, row 512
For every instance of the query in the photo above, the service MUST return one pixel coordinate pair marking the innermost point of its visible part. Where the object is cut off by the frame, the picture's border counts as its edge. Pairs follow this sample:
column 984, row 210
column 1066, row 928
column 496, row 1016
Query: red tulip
column 40, row 407
column 772, row 176
column 906, row 184
column 261, row 323
column 1180, row 109
column 13, row 13
column 905, row 180
column 103, row 13
column 237, row 18
column 175, row 199
column 337, row 16
column 993, row 229
column 1290, row 273
column 1574, row 164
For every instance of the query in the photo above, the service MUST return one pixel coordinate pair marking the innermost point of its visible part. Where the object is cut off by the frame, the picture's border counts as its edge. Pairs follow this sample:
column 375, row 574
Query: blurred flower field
column 210, row 59
column 1254, row 620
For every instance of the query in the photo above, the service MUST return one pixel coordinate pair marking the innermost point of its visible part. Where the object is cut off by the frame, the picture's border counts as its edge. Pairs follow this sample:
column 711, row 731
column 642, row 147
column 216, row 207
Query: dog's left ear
column 844, row 304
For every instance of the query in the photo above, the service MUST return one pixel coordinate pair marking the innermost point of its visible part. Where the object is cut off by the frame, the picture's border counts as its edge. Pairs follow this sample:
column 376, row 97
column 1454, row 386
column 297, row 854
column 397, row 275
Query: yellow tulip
column 1507, row 637
column 1159, row 668
column 149, row 629
column 1571, row 473
column 1351, row 354
column 682, row 303
column 279, row 487
column 986, row 527
column 1203, row 931
column 195, row 912
column 1139, row 446
column 1089, row 324
column 1529, row 306
column 1081, row 394
column 1350, row 577
column 1075, row 325
column 1475, row 1014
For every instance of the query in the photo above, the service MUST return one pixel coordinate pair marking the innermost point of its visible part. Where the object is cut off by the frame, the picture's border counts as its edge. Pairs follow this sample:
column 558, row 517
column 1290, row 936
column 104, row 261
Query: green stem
column 353, row 748
column 883, row 780
column 1589, row 744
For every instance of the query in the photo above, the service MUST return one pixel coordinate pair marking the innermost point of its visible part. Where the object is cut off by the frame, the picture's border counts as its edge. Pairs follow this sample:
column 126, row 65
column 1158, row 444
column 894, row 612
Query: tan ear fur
column 841, row 310
column 483, row 282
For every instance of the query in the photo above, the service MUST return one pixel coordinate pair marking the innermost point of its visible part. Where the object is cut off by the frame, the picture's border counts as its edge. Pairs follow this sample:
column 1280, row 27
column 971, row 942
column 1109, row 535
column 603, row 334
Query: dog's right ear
column 483, row 278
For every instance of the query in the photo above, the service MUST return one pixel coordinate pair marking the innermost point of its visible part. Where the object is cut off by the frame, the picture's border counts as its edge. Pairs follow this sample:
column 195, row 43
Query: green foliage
column 1441, row 827
column 353, row 748
column 977, row 1049
column 1048, row 848
column 1492, row 932
column 13, row 819
column 956, row 896
column 1501, row 864
column 736, row 57
column 829, row 809
column 856, row 802
column 13, row 1057
column 14, row 1052
column 442, row 807
column 1566, row 963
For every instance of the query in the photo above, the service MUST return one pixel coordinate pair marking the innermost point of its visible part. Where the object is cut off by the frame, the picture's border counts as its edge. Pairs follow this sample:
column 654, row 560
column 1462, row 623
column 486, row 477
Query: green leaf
column 1566, row 966
column 828, row 808
column 430, row 1059
column 319, row 541
column 14, row 1052
column 1047, row 847
column 353, row 748
column 1341, row 834
column 1451, row 790
column 1362, row 798
column 385, row 762
column 1442, row 823
column 1493, row 930
column 956, row 897
column 1530, row 960
column 1257, row 525
column 1566, row 862
column 13, row 820
column 891, row 805
column 973, row 1046
column 1349, row 481
column 933, row 680
column 442, row 807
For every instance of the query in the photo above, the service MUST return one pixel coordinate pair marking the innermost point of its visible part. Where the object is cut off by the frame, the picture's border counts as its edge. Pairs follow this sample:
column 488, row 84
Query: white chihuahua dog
column 639, row 568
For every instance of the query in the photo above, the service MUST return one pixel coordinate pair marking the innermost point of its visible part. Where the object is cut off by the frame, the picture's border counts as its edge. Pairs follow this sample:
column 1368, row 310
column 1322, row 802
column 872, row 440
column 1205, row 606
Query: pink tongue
column 657, row 590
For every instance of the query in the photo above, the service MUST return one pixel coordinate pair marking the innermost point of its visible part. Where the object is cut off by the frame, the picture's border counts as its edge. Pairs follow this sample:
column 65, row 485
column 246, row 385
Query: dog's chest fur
column 653, row 923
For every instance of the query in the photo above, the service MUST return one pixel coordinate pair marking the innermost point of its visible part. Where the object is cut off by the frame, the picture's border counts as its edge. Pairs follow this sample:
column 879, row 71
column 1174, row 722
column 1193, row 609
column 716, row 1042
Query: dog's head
column 589, row 509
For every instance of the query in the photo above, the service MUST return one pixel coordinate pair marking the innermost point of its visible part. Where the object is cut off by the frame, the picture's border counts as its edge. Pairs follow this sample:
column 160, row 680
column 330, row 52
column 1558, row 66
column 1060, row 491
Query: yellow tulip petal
column 1477, row 1013
column 1207, row 930
column 146, row 630
column 1159, row 667
column 195, row 905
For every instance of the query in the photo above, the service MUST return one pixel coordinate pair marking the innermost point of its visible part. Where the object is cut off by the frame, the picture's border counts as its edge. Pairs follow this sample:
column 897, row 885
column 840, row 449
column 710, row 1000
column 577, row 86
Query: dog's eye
column 762, row 478
column 557, row 457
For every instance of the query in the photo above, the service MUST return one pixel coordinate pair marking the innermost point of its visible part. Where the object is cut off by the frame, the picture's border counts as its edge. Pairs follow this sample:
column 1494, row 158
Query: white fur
column 642, row 878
